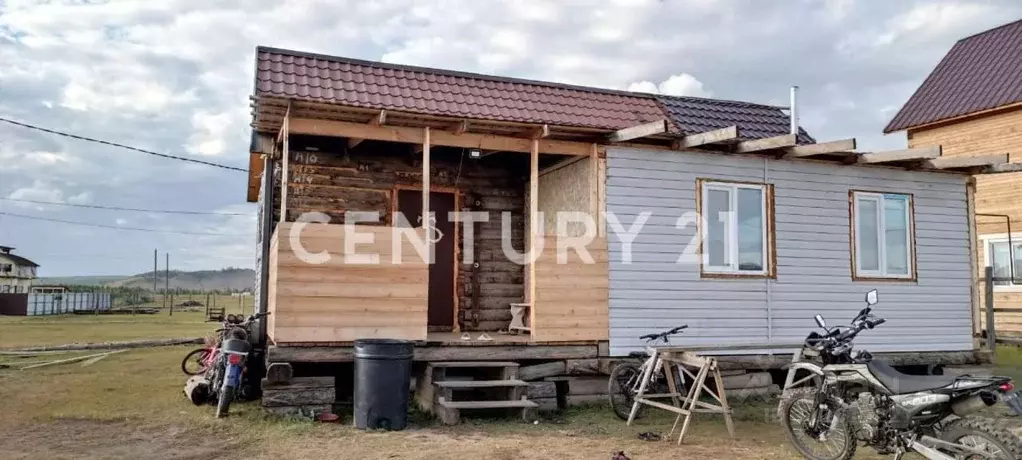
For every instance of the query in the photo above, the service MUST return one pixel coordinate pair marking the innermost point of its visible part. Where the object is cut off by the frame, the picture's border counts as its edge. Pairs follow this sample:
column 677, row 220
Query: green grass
column 1008, row 362
column 23, row 331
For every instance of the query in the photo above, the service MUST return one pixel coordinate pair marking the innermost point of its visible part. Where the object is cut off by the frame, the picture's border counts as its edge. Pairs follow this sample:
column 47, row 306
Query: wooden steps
column 466, row 384
column 448, row 387
column 473, row 364
column 521, row 403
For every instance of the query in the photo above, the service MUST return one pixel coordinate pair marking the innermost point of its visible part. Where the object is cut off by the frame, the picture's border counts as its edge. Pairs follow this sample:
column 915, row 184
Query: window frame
column 991, row 239
column 703, row 186
column 854, row 240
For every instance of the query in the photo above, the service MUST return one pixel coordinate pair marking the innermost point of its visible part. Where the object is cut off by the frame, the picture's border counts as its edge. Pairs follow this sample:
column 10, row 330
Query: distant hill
column 223, row 279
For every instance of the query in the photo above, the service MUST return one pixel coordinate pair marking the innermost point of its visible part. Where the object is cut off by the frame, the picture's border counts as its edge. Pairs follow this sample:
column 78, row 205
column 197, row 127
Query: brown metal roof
column 980, row 72
column 376, row 85
column 754, row 121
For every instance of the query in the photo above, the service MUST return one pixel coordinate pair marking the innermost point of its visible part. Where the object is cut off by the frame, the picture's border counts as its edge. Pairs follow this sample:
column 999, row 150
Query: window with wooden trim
column 882, row 235
column 736, row 228
column 1006, row 258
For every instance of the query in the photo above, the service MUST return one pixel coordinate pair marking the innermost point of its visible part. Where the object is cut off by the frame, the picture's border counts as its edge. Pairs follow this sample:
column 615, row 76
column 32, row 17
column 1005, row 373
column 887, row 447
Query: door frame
column 457, row 234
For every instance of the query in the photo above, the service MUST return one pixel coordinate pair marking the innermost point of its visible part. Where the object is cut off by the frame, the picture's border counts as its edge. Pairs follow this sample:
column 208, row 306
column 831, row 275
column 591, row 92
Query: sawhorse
column 692, row 367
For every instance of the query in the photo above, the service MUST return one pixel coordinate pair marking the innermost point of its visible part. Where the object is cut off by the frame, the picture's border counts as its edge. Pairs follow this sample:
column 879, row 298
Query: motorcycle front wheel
column 835, row 442
column 985, row 436
column 223, row 404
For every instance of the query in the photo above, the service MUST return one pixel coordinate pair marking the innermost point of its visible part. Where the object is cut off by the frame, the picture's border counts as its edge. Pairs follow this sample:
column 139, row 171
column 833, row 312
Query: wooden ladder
column 488, row 384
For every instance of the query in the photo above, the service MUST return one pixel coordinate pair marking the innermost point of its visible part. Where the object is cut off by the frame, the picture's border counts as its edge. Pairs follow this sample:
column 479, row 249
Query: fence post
column 991, row 329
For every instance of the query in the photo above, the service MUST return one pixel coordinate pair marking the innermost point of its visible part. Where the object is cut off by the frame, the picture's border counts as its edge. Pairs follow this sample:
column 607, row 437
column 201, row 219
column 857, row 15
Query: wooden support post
column 425, row 177
column 970, row 203
column 285, row 175
column 594, row 186
column 991, row 326
column 533, row 229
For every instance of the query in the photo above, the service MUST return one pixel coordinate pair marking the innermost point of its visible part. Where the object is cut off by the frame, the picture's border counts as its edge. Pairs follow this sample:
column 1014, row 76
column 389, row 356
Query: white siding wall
column 654, row 292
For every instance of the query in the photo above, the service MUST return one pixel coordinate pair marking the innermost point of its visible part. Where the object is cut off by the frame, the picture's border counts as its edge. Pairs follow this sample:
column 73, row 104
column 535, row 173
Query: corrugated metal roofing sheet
column 755, row 121
column 980, row 72
column 378, row 85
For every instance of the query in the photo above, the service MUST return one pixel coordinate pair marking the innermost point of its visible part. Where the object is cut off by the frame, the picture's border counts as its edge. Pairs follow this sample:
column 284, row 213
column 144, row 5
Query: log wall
column 334, row 179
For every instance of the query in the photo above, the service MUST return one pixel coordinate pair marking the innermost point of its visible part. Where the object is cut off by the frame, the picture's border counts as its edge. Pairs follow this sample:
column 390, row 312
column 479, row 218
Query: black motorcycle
column 856, row 398
column 224, row 380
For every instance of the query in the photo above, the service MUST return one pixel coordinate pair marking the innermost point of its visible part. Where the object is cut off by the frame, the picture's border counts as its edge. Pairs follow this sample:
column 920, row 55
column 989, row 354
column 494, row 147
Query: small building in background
column 16, row 273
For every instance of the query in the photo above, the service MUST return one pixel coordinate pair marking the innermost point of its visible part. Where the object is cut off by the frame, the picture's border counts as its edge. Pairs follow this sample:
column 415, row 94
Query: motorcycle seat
column 901, row 384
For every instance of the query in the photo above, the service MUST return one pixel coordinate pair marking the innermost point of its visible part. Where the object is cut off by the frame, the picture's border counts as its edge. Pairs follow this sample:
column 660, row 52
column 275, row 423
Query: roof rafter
column 822, row 148
column 377, row 120
column 709, row 137
column 891, row 156
column 635, row 132
column 966, row 161
column 769, row 143
column 1002, row 168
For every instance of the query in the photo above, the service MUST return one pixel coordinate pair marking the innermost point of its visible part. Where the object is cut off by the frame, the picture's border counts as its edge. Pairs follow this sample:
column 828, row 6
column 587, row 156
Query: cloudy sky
column 173, row 76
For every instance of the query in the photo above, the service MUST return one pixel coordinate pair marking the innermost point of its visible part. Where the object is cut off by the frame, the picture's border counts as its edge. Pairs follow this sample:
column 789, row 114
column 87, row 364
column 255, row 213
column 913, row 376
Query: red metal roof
column 980, row 72
column 376, row 85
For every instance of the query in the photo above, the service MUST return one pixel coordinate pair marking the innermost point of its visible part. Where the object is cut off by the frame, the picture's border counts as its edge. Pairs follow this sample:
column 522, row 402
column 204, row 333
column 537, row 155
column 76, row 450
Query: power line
column 115, row 144
column 117, row 227
column 118, row 208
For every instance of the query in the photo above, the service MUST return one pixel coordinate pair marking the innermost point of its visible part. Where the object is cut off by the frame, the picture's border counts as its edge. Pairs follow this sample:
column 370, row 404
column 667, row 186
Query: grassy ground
column 19, row 331
column 131, row 405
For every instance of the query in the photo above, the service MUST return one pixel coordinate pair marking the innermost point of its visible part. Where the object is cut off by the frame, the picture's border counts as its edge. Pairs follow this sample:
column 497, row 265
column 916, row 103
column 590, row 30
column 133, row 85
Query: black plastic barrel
column 383, row 372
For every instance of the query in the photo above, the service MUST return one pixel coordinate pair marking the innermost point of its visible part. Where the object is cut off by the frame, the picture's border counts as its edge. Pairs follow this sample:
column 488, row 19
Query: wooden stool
column 518, row 311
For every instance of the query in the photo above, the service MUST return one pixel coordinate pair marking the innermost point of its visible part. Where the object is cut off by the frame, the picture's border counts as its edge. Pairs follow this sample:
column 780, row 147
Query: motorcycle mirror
column 820, row 322
column 871, row 298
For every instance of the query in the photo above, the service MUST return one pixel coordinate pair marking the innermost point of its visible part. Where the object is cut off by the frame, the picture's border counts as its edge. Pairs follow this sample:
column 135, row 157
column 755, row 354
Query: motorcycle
column 223, row 378
column 856, row 398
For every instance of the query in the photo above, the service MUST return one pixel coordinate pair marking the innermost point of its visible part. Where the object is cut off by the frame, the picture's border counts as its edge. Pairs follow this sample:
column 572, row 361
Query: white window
column 1007, row 262
column 735, row 232
column 883, row 235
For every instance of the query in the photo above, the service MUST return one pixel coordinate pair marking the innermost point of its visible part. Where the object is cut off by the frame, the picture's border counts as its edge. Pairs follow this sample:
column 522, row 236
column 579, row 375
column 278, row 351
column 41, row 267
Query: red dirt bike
column 198, row 361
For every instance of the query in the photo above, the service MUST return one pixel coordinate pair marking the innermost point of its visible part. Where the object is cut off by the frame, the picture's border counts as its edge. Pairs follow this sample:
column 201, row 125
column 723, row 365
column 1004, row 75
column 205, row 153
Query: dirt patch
column 75, row 438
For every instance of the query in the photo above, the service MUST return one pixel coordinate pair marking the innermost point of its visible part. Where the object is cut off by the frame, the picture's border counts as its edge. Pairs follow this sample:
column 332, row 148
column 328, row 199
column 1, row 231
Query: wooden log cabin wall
column 329, row 176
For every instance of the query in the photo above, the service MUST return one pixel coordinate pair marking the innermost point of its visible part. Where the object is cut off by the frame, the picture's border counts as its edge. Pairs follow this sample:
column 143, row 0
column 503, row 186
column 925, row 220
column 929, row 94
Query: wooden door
column 441, row 272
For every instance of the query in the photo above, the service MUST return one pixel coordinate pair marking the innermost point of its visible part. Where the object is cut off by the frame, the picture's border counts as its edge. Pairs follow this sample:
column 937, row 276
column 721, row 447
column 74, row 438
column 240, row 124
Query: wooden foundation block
column 302, row 391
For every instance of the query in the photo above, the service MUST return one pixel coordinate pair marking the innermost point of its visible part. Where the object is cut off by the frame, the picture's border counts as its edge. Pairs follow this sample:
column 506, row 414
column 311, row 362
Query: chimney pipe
column 794, row 110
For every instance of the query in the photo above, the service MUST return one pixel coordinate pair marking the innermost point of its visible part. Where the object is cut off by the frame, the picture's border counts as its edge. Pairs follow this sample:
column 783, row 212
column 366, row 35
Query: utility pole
column 166, row 289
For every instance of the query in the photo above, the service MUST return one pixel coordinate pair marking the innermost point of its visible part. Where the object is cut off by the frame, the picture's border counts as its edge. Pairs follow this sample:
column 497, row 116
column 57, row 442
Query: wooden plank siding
column 571, row 295
column 996, row 132
column 653, row 291
column 341, row 300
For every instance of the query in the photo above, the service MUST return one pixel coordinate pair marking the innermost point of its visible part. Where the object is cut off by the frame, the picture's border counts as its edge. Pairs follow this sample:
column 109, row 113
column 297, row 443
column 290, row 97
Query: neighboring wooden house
column 815, row 225
column 16, row 273
column 971, row 106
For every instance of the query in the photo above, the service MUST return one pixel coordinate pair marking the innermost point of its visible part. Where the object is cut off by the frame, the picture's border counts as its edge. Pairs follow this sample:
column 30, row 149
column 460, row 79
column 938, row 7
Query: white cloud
column 80, row 198
column 681, row 84
column 39, row 191
column 210, row 132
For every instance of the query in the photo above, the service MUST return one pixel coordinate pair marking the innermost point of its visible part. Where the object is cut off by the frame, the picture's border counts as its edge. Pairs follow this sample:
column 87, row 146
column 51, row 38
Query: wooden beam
column 377, row 120
column 709, row 137
column 425, row 178
column 409, row 135
column 635, row 132
column 769, row 143
column 808, row 150
column 1004, row 168
column 914, row 154
column 966, row 161
column 540, row 132
column 560, row 164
